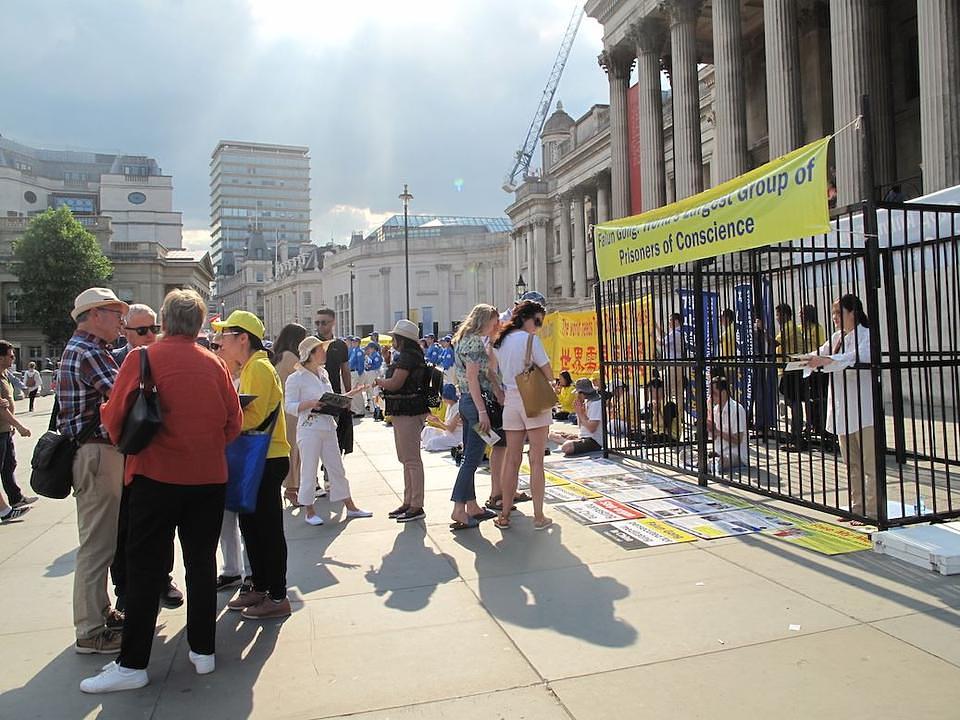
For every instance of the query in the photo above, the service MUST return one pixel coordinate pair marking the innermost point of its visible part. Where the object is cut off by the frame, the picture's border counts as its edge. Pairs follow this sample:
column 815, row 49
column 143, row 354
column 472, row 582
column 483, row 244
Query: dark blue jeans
column 464, row 489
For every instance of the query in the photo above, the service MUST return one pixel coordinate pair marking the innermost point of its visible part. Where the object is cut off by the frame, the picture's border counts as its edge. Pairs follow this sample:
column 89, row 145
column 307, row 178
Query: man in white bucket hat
column 87, row 374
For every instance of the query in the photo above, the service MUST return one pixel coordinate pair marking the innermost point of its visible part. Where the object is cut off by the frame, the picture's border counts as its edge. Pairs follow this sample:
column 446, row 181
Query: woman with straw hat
column 317, row 430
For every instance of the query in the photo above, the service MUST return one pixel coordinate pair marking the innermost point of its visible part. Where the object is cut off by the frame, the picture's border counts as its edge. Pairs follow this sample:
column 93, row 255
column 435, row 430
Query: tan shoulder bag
column 537, row 392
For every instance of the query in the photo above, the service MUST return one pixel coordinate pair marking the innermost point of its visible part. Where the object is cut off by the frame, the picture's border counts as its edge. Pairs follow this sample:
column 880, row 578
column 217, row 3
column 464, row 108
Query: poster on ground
column 824, row 537
column 603, row 510
column 550, row 478
column 568, row 493
column 701, row 504
column 587, row 468
column 633, row 488
column 725, row 524
column 643, row 533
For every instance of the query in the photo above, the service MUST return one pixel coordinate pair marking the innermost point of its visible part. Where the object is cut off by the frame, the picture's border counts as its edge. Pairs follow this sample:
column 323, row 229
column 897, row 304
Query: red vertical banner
column 633, row 147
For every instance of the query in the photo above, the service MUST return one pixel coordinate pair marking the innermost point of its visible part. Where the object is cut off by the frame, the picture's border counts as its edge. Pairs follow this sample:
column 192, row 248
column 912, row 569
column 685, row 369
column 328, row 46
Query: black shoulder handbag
column 52, row 461
column 144, row 418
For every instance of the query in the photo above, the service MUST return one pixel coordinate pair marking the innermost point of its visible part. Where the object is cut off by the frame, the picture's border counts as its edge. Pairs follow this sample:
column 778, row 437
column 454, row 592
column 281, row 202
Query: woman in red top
column 178, row 482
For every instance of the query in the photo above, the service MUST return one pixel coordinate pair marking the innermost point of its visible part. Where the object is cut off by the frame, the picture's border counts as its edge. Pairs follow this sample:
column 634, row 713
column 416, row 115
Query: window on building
column 25, row 167
column 36, row 352
column 260, row 274
column 307, row 298
column 458, row 282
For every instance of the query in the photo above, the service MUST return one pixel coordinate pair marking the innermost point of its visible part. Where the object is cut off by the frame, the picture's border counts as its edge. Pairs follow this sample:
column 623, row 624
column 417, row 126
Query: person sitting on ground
column 442, row 432
column 620, row 410
column 660, row 416
column 727, row 425
column 566, row 395
column 589, row 412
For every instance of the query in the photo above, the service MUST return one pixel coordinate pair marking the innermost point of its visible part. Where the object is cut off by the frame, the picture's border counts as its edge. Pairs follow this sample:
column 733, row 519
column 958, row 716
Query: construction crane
column 524, row 155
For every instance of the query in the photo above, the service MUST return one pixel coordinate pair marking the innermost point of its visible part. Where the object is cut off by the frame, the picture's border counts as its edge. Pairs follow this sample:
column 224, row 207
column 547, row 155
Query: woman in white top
column 32, row 382
column 511, row 350
column 850, row 400
column 317, row 431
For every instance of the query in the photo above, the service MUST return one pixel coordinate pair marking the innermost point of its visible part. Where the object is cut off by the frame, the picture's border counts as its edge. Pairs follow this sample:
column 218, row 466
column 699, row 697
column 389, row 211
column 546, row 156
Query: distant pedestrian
column 32, row 382
column 9, row 424
column 407, row 404
column 338, row 368
column 262, row 530
column 176, row 484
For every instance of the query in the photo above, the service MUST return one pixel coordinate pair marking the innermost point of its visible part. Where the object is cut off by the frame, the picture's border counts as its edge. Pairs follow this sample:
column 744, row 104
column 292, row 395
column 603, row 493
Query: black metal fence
column 695, row 364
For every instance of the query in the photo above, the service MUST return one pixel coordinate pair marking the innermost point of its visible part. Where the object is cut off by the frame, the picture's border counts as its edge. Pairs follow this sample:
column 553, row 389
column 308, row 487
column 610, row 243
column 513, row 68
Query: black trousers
column 8, row 463
column 33, row 398
column 156, row 511
column 118, row 568
column 262, row 532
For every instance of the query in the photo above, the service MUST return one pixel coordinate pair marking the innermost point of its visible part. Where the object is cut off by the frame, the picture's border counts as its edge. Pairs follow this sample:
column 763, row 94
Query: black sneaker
column 226, row 582
column 14, row 514
column 171, row 598
column 411, row 514
column 394, row 514
column 25, row 500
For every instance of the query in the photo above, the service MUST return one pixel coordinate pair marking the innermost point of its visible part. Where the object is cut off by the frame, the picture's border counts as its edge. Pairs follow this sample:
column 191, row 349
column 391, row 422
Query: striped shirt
column 87, row 374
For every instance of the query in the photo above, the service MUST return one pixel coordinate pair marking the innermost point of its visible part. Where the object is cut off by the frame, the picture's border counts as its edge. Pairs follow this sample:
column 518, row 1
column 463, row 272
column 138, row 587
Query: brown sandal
column 502, row 522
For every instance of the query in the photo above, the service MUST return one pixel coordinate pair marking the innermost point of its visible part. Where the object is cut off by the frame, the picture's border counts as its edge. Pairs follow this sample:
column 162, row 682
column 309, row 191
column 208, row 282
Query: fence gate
column 694, row 365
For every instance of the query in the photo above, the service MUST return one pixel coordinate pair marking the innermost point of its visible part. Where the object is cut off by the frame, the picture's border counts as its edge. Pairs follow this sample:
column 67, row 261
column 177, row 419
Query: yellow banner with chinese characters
column 779, row 201
column 570, row 339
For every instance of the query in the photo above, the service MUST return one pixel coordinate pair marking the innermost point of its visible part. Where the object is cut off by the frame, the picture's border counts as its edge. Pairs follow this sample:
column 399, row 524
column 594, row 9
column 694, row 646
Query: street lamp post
column 406, row 197
column 353, row 322
column 521, row 286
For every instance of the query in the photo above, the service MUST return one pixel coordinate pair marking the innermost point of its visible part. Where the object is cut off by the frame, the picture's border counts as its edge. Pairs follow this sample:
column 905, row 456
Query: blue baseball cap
column 449, row 392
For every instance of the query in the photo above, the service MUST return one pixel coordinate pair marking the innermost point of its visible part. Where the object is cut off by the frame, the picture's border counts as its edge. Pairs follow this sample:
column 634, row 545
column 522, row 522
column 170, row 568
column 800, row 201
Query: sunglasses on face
column 141, row 331
column 214, row 346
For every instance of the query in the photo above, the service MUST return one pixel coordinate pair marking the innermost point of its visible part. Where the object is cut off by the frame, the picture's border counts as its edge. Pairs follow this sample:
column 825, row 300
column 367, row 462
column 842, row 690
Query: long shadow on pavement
column 410, row 549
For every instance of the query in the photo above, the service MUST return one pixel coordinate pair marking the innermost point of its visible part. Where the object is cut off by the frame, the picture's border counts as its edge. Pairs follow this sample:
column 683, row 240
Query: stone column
column 849, row 41
column 687, row 149
column 730, row 110
column 387, row 305
column 540, row 256
column 528, row 245
column 783, row 76
column 566, row 247
column 579, row 246
column 442, row 309
column 603, row 199
column 650, row 35
column 938, row 26
column 617, row 65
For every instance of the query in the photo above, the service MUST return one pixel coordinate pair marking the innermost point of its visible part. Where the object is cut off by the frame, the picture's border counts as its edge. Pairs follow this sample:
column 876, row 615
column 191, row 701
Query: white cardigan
column 303, row 385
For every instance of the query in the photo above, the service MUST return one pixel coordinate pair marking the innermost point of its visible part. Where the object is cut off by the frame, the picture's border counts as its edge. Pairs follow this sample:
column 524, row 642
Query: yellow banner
column 779, row 201
column 570, row 339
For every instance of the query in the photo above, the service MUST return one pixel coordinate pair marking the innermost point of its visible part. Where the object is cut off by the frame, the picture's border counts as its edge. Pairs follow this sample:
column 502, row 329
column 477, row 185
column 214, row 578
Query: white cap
column 96, row 297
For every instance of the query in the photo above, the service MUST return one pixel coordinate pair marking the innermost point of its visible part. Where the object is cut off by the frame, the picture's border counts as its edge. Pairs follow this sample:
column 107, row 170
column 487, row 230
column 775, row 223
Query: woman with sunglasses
column 241, row 342
column 511, row 351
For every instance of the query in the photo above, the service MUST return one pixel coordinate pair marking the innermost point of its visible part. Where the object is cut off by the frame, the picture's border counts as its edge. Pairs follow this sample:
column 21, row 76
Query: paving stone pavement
column 414, row 621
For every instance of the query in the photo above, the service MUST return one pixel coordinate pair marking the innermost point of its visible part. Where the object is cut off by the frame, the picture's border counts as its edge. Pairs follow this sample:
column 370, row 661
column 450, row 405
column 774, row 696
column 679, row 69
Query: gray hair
column 140, row 309
column 183, row 313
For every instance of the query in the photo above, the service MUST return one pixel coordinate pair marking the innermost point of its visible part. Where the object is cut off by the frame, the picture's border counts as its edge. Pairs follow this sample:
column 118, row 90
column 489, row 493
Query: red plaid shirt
column 87, row 374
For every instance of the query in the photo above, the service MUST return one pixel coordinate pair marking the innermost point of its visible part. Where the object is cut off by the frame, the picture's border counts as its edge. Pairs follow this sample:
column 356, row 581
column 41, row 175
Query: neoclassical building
column 749, row 80
column 455, row 263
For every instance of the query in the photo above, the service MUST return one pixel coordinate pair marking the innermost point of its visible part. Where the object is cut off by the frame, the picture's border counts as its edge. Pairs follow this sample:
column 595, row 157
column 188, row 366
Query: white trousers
column 318, row 446
column 357, row 407
column 231, row 545
column 436, row 440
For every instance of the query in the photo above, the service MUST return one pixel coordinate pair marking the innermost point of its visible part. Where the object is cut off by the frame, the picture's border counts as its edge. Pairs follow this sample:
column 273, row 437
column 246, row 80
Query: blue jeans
column 464, row 489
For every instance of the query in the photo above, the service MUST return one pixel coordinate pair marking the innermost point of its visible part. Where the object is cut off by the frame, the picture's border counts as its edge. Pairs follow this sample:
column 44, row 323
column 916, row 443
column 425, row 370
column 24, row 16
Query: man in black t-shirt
column 338, row 368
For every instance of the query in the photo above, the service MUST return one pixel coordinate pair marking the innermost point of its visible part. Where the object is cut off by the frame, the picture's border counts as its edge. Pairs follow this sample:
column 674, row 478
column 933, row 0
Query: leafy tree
column 56, row 259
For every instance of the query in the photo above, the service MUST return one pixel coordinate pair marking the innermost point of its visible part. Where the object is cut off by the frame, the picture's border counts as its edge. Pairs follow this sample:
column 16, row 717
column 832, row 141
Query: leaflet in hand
column 489, row 437
column 336, row 400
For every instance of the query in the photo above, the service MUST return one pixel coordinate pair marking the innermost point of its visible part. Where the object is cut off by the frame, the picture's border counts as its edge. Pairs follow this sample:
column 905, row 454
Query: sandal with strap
column 502, row 522
column 494, row 503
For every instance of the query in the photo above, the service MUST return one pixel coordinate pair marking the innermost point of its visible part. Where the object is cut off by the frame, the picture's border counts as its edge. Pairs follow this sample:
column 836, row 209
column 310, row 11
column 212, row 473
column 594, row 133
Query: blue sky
column 427, row 92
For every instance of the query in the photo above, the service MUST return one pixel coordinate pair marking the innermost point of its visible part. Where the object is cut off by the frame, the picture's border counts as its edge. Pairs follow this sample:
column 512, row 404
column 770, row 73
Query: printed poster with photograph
column 643, row 533
column 824, row 537
column 709, row 502
column 633, row 488
column 602, row 510
column 574, row 469
column 718, row 525
column 568, row 493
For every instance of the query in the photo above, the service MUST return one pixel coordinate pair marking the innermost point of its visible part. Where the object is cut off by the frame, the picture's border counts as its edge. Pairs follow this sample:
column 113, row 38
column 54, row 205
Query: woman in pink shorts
column 511, row 349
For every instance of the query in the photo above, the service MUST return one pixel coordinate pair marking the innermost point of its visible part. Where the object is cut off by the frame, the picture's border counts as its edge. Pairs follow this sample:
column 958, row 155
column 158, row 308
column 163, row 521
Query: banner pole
column 601, row 351
column 699, row 372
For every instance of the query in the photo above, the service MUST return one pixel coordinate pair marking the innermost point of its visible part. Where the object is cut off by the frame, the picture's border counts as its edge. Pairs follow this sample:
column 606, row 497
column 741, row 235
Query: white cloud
column 342, row 220
column 196, row 239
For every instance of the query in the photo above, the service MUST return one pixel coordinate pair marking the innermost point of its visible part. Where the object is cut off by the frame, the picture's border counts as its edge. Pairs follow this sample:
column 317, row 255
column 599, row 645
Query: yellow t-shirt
column 258, row 377
column 812, row 337
column 788, row 340
column 728, row 342
column 566, row 397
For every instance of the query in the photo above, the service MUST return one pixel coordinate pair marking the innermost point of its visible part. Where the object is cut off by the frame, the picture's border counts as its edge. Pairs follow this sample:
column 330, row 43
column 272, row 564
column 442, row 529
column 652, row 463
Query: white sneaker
column 203, row 663
column 114, row 678
column 313, row 519
column 359, row 513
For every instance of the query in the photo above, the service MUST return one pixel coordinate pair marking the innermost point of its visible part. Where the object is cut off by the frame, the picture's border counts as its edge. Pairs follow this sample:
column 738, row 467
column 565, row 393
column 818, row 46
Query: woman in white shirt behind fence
column 511, row 352
column 316, row 431
column 850, row 400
